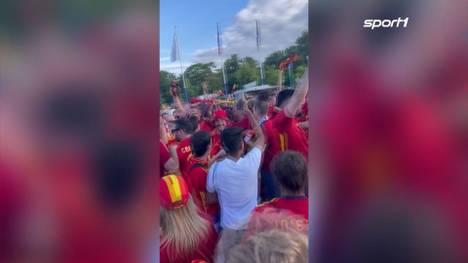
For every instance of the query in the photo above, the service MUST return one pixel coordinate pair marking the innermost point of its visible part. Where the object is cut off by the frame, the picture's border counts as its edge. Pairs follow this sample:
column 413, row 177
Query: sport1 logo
column 376, row 23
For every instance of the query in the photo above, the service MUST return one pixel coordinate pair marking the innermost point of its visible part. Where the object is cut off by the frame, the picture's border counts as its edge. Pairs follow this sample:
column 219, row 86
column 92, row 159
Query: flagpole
column 257, row 26
column 290, row 74
column 221, row 59
column 224, row 77
column 181, row 66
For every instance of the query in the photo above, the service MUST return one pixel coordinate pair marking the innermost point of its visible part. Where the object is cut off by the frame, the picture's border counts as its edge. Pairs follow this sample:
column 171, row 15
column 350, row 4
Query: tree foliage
column 241, row 71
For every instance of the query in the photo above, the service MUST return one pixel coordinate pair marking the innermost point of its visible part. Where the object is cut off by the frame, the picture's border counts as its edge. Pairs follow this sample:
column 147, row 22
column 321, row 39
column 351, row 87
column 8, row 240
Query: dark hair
column 74, row 111
column 199, row 143
column 230, row 113
column 232, row 139
column 263, row 96
column 290, row 170
column 188, row 125
column 194, row 123
column 118, row 170
column 183, row 124
column 283, row 96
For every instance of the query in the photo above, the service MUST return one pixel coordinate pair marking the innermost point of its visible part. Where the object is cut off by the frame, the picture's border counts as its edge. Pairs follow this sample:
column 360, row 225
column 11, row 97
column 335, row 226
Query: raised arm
column 179, row 104
column 298, row 97
column 260, row 142
column 162, row 130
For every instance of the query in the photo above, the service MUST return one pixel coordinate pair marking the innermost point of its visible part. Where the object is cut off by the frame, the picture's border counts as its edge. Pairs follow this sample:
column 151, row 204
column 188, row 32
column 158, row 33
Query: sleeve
column 210, row 188
column 281, row 120
column 164, row 155
column 254, row 157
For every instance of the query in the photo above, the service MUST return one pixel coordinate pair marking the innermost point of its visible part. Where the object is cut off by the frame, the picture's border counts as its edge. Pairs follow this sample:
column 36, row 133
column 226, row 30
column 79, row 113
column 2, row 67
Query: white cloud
column 172, row 67
column 281, row 22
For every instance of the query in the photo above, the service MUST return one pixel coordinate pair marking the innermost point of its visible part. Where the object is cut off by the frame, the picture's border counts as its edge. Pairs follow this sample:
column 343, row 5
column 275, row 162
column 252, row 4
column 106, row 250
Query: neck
column 288, row 193
column 205, row 157
column 235, row 156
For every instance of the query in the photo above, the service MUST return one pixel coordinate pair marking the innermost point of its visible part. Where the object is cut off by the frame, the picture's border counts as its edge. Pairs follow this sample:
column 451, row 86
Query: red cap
column 173, row 191
column 220, row 114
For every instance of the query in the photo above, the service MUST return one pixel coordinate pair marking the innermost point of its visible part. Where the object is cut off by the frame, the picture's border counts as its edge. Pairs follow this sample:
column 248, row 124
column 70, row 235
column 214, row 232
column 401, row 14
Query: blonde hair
column 183, row 229
column 273, row 246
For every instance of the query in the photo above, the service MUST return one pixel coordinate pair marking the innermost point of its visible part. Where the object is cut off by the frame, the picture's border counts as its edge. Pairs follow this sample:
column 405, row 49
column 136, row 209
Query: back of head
column 194, row 123
column 200, row 142
column 290, row 171
column 283, row 96
column 185, row 124
column 263, row 96
column 261, row 106
column 273, row 246
column 232, row 139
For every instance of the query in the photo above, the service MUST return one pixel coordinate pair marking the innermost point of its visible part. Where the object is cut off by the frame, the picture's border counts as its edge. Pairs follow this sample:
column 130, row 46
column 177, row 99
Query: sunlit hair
column 276, row 219
column 183, row 229
column 274, row 246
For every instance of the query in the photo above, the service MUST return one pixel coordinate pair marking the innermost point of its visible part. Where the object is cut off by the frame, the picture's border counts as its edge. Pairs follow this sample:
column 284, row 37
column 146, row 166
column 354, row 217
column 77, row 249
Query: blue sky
column 281, row 22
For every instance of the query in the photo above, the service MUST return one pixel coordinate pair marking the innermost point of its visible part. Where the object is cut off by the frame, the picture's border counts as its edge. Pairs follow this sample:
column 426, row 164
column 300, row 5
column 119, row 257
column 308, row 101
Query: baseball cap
column 220, row 114
column 173, row 191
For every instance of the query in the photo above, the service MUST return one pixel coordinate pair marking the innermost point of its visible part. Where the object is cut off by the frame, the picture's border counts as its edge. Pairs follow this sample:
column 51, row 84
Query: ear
column 224, row 147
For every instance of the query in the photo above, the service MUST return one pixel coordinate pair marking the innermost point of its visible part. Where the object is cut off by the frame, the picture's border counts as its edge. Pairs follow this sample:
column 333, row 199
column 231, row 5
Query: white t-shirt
column 236, row 184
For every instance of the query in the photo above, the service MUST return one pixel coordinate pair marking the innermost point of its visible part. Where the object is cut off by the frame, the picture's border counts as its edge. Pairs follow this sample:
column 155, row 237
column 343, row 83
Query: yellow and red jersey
column 183, row 153
column 282, row 133
column 196, row 173
column 284, row 213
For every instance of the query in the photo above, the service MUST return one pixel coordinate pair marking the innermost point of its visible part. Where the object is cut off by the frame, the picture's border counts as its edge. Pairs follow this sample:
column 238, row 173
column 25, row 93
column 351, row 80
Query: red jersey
column 244, row 123
column 197, row 172
column 283, row 133
column 271, row 111
column 183, row 153
column 204, row 251
column 285, row 213
column 164, row 156
column 216, row 143
column 297, row 205
column 206, row 126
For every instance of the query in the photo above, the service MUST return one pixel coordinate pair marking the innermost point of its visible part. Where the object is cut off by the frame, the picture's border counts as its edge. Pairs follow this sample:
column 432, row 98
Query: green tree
column 275, row 58
column 231, row 66
column 195, row 75
column 165, row 79
column 271, row 74
column 215, row 82
column 247, row 71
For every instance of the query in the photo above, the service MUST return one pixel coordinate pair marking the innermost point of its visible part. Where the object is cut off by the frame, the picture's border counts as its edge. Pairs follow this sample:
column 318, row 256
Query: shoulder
column 196, row 170
column 266, row 204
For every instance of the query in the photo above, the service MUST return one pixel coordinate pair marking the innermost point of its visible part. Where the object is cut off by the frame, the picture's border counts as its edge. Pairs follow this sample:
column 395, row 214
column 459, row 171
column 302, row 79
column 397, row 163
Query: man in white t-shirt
column 235, row 180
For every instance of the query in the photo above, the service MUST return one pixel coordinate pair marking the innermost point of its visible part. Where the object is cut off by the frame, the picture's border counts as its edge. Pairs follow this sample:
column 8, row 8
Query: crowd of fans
column 234, row 177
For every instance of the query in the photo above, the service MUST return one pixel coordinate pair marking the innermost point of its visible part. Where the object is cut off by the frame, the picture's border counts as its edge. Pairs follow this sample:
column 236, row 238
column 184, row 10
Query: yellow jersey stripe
column 174, row 188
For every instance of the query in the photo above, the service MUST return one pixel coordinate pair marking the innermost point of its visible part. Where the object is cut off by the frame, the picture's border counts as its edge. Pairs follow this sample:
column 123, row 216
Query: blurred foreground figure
column 289, row 212
column 79, row 146
column 393, row 175
column 273, row 246
column 186, row 233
